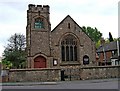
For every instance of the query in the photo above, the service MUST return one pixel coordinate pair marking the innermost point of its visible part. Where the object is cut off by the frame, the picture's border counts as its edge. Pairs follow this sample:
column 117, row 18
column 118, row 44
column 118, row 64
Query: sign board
column 54, row 62
column 85, row 60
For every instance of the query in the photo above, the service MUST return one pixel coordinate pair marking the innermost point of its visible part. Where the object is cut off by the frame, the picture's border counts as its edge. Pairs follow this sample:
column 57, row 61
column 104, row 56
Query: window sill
column 40, row 30
column 69, row 63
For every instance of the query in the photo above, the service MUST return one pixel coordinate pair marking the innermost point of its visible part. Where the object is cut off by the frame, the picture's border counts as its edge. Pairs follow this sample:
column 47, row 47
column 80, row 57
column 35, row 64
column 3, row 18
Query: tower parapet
column 37, row 8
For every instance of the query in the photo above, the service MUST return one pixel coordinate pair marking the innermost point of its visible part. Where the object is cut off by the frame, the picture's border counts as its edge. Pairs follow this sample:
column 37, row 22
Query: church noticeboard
column 85, row 60
column 55, row 62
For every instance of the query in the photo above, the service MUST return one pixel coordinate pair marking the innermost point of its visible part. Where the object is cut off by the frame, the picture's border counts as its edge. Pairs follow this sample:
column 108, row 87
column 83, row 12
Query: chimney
column 102, row 41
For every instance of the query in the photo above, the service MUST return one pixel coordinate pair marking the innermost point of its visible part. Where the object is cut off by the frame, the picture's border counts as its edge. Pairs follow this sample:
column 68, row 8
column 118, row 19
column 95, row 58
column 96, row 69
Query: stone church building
column 65, row 45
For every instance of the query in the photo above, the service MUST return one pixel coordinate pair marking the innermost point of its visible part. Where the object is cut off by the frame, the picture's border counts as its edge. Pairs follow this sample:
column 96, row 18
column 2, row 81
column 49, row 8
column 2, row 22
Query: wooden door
column 39, row 62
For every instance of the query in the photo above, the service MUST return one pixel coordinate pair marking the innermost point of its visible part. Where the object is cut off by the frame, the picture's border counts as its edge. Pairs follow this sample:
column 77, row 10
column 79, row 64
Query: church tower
column 38, row 33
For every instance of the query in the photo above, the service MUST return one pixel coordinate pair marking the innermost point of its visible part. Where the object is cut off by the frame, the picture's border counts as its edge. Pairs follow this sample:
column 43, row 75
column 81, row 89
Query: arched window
column 39, row 23
column 69, row 48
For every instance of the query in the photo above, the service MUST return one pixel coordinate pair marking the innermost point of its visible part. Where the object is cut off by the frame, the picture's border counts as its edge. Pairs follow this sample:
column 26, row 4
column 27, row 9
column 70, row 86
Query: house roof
column 108, row 47
column 73, row 21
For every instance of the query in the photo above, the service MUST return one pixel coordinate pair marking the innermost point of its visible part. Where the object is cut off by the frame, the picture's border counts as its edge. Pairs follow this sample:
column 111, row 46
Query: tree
column 110, row 37
column 6, row 64
column 98, row 44
column 93, row 33
column 15, row 50
column 16, row 42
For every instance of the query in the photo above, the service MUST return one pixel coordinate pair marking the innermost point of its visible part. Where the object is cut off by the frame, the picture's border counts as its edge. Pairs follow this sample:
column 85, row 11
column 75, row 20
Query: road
column 87, row 84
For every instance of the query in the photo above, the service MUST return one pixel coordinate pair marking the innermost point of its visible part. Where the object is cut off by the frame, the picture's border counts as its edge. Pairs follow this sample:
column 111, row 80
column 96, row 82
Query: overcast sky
column 102, row 14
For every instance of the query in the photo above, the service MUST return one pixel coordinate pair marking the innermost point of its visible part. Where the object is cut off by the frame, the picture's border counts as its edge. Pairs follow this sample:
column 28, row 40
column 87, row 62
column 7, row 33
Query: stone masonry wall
column 100, row 72
column 34, row 75
column 71, row 73
column 93, row 72
column 85, row 46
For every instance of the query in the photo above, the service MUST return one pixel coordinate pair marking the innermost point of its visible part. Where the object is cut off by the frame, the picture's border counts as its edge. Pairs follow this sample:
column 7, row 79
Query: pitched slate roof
column 108, row 47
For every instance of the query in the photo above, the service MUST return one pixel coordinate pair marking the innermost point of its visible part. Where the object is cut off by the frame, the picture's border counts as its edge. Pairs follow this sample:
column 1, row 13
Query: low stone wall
column 70, row 73
column 92, row 72
column 34, row 75
column 100, row 72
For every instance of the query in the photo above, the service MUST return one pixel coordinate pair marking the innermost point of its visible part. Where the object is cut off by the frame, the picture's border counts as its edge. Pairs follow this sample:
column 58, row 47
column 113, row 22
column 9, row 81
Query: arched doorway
column 40, row 62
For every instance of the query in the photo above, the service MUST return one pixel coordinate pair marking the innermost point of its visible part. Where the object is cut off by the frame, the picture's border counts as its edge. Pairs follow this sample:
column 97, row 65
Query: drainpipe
column 104, row 54
column 118, row 47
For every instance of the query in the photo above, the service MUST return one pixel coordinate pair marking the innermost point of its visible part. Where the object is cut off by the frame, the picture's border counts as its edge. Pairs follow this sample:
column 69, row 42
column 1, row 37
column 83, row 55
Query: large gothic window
column 39, row 23
column 69, row 48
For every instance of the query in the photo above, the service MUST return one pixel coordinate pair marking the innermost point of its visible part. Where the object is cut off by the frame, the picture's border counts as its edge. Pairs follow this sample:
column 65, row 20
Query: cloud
column 1, row 49
column 102, row 14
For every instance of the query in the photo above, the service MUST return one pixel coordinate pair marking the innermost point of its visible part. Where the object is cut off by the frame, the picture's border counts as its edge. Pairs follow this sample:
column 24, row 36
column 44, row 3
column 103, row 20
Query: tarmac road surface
column 87, row 84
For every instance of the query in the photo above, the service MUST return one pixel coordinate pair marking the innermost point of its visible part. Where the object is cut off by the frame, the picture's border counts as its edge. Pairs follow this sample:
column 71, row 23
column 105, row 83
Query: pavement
column 55, row 83
column 27, row 83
